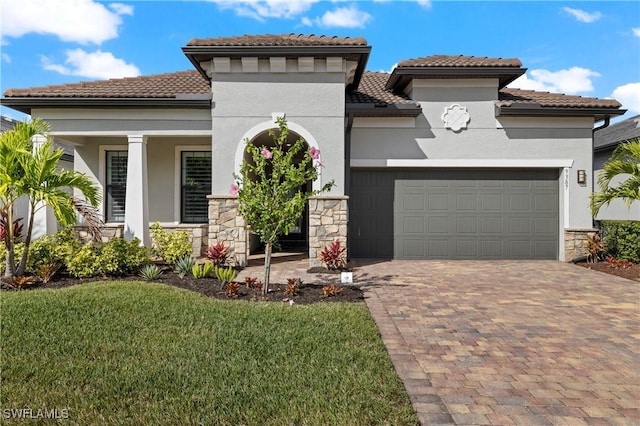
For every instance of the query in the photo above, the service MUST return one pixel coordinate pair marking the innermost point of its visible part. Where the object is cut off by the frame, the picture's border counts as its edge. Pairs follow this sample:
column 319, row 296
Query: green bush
column 84, row 262
column 622, row 238
column 119, row 257
column 52, row 249
column 170, row 246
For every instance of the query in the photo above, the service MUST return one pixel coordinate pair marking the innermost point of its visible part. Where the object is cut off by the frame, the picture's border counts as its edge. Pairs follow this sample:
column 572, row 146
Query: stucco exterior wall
column 246, row 104
column 562, row 143
column 163, row 156
column 617, row 210
column 86, row 121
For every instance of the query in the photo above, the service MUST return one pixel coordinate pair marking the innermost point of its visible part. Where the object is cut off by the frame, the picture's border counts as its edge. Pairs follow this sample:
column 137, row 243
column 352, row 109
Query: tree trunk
column 267, row 267
column 10, row 266
column 27, row 242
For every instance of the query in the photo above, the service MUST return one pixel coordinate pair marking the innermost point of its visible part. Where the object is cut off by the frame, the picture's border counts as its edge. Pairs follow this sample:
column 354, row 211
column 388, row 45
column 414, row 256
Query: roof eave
column 387, row 110
column 401, row 76
column 360, row 53
column 598, row 113
column 26, row 104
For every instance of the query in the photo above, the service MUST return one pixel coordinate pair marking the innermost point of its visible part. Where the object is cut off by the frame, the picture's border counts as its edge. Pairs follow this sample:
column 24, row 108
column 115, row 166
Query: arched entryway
column 298, row 237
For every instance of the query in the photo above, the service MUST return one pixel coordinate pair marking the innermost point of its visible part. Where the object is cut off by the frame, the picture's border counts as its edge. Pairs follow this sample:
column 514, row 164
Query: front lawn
column 139, row 353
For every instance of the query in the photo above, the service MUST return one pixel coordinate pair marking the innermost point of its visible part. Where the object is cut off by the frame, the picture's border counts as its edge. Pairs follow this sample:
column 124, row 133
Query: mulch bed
column 210, row 287
column 631, row 273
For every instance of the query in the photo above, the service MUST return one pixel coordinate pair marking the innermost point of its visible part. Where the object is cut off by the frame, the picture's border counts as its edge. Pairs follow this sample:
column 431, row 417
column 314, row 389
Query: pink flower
column 314, row 153
column 266, row 153
column 234, row 189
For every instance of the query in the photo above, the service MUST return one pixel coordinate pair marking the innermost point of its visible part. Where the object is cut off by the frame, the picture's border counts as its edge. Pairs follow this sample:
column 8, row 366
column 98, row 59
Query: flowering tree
column 270, row 190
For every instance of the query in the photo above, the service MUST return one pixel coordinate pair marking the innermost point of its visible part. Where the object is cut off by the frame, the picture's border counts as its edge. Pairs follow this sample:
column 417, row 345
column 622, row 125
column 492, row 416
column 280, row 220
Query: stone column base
column 226, row 225
column 327, row 222
column 575, row 242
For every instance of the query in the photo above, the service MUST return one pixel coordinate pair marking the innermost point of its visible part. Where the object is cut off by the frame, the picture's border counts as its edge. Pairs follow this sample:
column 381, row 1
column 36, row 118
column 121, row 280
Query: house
column 438, row 159
column 605, row 140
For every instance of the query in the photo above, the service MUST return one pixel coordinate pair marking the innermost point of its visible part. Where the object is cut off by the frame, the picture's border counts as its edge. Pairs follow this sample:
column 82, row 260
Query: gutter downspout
column 607, row 120
column 347, row 172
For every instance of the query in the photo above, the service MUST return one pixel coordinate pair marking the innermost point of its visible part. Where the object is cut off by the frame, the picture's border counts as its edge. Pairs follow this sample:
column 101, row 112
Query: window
column 115, row 185
column 196, row 185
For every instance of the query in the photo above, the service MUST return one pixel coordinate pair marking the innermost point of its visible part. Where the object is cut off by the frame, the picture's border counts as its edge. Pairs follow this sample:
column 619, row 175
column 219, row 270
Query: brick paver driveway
column 508, row 342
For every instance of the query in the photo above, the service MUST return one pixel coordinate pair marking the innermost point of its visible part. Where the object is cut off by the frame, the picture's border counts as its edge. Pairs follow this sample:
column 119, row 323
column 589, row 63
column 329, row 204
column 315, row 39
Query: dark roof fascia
column 401, row 76
column 540, row 111
column 197, row 54
column 389, row 110
column 26, row 104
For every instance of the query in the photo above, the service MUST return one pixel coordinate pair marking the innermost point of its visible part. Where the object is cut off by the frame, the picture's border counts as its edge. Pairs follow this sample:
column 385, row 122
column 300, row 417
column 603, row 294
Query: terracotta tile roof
column 152, row 86
column 509, row 97
column 372, row 91
column 278, row 40
column 460, row 61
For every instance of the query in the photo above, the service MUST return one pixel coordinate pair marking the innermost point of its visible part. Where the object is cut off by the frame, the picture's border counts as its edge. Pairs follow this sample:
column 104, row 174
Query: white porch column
column 44, row 222
column 136, row 213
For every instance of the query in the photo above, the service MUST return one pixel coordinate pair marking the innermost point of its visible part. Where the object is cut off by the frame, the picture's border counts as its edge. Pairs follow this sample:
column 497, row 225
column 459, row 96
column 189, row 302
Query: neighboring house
column 438, row 159
column 604, row 142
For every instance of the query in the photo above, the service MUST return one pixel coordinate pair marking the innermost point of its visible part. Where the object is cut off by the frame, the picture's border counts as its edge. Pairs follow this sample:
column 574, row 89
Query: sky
column 587, row 48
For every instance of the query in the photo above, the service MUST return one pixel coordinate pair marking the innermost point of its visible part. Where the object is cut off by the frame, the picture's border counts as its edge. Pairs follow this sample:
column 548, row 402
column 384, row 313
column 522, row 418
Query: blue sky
column 587, row 48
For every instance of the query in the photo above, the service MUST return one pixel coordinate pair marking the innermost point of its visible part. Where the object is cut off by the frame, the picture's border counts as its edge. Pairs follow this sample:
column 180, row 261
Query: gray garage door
column 454, row 214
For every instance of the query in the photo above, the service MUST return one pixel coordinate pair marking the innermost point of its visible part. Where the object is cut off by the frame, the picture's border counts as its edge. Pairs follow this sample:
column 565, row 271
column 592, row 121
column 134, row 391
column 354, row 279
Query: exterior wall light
column 582, row 177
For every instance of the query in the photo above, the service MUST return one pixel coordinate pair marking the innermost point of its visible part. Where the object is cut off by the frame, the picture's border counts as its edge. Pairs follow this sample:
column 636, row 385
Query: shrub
column 232, row 289
column 225, row 275
column 184, row 265
column 119, row 257
column 334, row 256
column 150, row 272
column 293, row 284
column 595, row 248
column 47, row 271
column 622, row 239
column 84, row 262
column 52, row 249
column 218, row 254
column 202, row 271
column 331, row 290
column 170, row 246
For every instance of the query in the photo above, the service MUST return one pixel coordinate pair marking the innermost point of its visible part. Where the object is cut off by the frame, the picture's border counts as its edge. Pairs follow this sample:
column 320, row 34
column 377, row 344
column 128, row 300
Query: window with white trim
column 115, row 185
column 195, row 186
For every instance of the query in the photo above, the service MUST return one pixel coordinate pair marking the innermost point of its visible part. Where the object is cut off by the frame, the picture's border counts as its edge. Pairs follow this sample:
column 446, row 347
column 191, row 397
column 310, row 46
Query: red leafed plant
column 616, row 263
column 334, row 256
column 293, row 284
column 331, row 290
column 232, row 289
column 218, row 254
column 17, row 226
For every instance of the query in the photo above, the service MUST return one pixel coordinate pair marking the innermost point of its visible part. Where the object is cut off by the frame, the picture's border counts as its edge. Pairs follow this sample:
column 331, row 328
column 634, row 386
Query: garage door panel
column 445, row 214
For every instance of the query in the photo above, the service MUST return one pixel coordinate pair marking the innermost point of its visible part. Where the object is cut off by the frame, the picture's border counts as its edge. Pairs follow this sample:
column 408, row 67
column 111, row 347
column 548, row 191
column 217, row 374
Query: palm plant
column 624, row 162
column 36, row 174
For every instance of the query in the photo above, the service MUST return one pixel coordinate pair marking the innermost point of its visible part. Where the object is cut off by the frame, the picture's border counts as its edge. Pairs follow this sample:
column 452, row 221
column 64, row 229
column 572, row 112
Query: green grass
column 140, row 353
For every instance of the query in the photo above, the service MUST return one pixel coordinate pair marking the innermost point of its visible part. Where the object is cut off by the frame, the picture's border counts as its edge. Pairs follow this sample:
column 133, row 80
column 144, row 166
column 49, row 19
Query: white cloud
column 343, row 17
column 569, row 81
column 81, row 21
column 583, row 16
column 636, row 31
column 6, row 58
column 261, row 9
column 98, row 64
column 629, row 96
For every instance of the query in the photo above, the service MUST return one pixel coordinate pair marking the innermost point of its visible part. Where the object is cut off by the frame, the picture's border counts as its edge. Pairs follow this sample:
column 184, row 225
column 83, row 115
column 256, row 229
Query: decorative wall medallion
column 455, row 117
